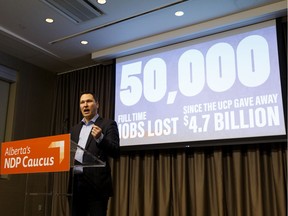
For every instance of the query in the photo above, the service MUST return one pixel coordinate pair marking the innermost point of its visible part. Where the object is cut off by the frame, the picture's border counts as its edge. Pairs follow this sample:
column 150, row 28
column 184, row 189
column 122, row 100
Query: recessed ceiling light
column 49, row 20
column 84, row 42
column 101, row 1
column 179, row 13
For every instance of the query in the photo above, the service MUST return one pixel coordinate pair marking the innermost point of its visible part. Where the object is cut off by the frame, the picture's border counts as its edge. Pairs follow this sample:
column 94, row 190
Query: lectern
column 48, row 163
column 50, row 193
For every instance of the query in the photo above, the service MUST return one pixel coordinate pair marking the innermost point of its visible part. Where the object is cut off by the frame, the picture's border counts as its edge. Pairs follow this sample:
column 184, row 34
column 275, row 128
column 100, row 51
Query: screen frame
column 282, row 52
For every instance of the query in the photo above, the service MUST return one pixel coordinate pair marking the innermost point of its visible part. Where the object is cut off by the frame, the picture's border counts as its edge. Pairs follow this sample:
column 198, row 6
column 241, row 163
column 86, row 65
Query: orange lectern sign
column 45, row 154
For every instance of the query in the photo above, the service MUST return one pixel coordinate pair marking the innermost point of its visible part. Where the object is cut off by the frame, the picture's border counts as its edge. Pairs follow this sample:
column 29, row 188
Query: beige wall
column 32, row 118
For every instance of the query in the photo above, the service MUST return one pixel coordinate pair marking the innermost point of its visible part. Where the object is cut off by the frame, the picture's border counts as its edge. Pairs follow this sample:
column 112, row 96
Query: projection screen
column 219, row 87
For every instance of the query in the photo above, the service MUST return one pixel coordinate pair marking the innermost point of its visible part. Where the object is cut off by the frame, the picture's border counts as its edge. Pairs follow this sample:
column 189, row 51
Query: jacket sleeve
column 110, row 142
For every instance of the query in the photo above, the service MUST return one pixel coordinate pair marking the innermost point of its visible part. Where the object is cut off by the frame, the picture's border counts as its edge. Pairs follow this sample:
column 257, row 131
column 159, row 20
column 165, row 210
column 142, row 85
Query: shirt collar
column 93, row 120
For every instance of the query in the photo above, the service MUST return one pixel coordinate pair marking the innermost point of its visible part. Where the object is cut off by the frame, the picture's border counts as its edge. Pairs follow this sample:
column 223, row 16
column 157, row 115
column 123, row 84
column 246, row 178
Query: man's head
column 88, row 105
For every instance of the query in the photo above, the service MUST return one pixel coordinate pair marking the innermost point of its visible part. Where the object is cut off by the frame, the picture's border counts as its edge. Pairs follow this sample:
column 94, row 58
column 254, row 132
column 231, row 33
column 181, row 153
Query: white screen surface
column 224, row 86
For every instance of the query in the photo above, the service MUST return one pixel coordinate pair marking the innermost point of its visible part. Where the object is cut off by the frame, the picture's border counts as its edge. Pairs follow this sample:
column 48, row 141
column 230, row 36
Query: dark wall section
column 32, row 118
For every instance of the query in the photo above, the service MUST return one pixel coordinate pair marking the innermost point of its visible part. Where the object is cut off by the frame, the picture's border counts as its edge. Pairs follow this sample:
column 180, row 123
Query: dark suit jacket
column 100, row 178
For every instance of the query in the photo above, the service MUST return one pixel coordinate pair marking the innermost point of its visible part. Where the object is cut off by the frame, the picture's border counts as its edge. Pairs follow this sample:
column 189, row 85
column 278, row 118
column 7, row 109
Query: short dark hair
column 90, row 92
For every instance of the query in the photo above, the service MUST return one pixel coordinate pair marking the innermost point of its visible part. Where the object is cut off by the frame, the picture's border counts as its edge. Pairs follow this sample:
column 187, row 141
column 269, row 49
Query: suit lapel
column 77, row 132
column 90, row 138
column 99, row 121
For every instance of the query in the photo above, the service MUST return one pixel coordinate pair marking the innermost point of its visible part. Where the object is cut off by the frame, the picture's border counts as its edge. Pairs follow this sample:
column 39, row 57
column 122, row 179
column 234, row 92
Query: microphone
column 65, row 125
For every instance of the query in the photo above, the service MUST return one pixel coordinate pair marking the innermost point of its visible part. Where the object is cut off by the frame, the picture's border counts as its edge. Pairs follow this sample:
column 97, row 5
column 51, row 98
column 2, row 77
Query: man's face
column 88, row 106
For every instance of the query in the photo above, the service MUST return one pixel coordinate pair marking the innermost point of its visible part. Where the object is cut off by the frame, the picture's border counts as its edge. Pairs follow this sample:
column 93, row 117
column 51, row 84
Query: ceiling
column 117, row 28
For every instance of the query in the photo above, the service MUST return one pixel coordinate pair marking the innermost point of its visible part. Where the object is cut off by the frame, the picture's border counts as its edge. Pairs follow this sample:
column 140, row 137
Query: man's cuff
column 100, row 138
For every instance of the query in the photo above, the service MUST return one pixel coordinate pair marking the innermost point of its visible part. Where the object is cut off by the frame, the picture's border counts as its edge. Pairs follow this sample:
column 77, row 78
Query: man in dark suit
column 92, row 186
